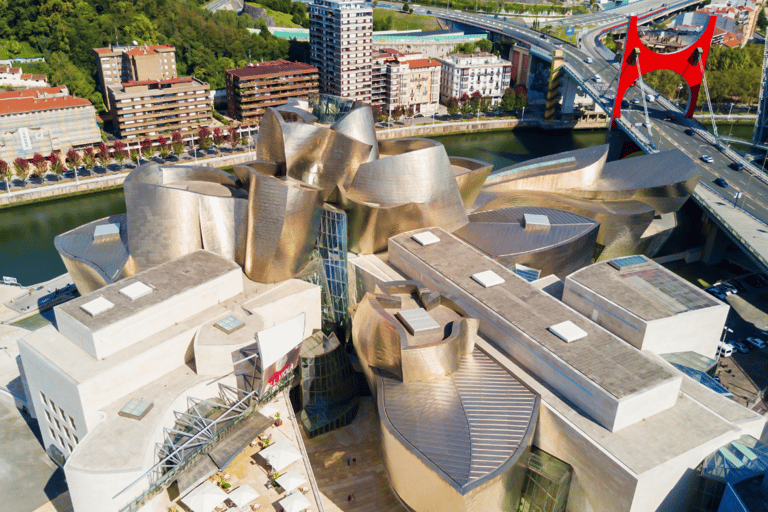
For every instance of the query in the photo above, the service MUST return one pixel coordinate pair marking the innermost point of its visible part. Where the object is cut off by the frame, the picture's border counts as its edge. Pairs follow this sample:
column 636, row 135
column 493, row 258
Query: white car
column 725, row 349
column 650, row 97
column 588, row 60
column 708, row 159
column 597, row 79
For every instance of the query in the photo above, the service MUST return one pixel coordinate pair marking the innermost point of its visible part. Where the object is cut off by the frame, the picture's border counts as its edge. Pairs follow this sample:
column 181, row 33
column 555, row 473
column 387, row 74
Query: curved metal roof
column 468, row 426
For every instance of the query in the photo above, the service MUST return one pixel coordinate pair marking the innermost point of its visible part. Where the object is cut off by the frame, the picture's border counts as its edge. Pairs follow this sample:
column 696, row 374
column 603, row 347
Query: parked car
column 756, row 342
column 736, row 166
column 717, row 292
column 728, row 287
column 707, row 158
column 739, row 286
column 724, row 349
column 741, row 347
column 721, row 182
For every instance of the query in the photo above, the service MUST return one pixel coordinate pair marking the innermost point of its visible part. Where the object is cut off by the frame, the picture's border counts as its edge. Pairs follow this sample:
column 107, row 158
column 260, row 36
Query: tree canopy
column 66, row 31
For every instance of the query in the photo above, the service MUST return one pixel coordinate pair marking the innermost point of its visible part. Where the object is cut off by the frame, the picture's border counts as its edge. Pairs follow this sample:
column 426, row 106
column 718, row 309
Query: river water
column 27, row 232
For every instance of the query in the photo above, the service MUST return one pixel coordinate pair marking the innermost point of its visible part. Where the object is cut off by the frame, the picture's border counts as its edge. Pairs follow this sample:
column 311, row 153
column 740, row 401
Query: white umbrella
column 268, row 410
column 296, row 502
column 243, row 495
column 205, row 497
column 280, row 455
column 291, row 480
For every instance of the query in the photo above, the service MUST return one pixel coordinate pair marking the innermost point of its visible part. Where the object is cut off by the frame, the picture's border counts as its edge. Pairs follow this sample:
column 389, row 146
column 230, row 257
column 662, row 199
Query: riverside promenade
column 29, row 194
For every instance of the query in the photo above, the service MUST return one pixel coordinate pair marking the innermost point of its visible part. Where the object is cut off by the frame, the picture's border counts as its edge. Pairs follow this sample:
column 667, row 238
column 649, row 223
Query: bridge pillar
column 568, row 87
column 521, row 65
column 715, row 245
column 556, row 77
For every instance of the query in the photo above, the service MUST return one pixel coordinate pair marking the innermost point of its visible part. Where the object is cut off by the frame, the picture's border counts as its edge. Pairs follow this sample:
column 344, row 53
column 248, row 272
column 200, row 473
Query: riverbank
column 69, row 188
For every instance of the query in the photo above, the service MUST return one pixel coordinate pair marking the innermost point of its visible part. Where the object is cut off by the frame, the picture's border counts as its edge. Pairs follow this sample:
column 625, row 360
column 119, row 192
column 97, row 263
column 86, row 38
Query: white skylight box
column 418, row 321
column 136, row 290
column 488, row 278
column 97, row 306
column 106, row 232
column 425, row 238
column 533, row 221
column 567, row 331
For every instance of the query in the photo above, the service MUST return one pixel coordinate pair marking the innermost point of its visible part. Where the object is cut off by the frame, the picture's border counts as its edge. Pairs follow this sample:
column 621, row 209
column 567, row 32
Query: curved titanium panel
column 283, row 224
column 567, row 245
column 470, row 177
column 165, row 207
column 91, row 264
column 360, row 124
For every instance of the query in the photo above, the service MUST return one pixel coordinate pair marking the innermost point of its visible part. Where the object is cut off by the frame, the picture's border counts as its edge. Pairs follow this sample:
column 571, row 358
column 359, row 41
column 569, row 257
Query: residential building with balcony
column 254, row 88
column 151, row 107
column 340, row 39
column 118, row 64
column 405, row 80
column 465, row 74
column 15, row 78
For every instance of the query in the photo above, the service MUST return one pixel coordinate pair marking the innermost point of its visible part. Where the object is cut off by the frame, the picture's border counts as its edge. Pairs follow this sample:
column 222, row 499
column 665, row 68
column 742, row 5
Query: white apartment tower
column 340, row 35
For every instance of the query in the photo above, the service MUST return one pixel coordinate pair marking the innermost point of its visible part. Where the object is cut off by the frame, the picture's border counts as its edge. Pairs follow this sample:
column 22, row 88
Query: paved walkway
column 366, row 478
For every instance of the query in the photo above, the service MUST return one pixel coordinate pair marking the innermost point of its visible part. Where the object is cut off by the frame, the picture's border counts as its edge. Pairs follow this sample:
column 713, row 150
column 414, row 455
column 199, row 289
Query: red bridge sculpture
column 685, row 62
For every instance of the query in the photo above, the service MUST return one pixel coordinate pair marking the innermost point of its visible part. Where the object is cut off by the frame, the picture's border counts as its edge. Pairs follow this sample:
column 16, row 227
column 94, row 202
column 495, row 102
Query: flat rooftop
column 606, row 360
column 166, row 280
column 645, row 288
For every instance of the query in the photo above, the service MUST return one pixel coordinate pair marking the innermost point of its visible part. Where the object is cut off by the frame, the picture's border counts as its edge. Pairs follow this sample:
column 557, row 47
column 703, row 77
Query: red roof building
column 254, row 88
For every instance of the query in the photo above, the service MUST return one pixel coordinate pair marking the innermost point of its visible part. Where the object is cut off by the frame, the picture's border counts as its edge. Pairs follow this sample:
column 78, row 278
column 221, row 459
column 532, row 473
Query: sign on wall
column 279, row 348
column 26, row 140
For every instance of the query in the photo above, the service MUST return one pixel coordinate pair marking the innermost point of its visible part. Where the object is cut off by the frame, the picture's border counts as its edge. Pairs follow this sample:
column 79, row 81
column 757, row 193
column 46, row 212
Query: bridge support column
column 556, row 76
column 714, row 247
column 568, row 88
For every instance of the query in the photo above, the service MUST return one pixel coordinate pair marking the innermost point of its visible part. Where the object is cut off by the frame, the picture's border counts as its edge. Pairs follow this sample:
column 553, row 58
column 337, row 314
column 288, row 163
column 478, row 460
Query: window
column 61, row 411
column 72, row 422
column 48, row 415
column 77, row 440
column 53, row 434
column 45, row 400
column 58, row 425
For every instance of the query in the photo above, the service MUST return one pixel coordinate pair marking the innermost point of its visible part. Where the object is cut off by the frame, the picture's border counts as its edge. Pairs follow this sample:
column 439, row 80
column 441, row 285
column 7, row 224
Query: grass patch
column 282, row 19
column 403, row 21
column 27, row 52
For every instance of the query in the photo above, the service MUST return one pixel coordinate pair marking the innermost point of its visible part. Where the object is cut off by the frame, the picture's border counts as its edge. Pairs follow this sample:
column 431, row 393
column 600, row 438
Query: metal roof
column 466, row 425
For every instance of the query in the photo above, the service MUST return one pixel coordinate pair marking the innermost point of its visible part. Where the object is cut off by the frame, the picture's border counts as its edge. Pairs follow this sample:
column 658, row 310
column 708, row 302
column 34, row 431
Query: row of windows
column 56, row 416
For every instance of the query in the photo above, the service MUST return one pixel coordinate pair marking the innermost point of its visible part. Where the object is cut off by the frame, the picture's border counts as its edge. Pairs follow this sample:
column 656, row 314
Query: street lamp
column 677, row 96
column 729, row 111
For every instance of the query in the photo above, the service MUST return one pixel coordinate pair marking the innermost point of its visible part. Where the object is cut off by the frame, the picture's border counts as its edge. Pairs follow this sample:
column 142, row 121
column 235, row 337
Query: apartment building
column 340, row 38
column 465, row 74
column 151, row 107
column 118, row 64
column 44, row 120
column 252, row 89
column 405, row 80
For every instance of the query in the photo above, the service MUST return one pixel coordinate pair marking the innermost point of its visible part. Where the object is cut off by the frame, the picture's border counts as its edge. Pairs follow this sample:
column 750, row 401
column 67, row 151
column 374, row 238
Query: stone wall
column 259, row 13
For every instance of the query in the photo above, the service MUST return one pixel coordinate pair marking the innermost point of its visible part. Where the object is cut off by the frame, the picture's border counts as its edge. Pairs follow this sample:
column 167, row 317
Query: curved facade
column 565, row 244
column 175, row 210
column 95, row 263
column 283, row 222
column 456, row 426
column 623, row 196
column 328, row 397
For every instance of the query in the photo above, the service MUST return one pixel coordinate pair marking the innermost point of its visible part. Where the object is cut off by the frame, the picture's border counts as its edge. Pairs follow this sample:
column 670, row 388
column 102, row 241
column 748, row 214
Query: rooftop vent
column 229, row 324
column 136, row 290
column 567, row 331
column 97, row 306
column 418, row 321
column 425, row 238
column 106, row 232
column 488, row 278
column 535, row 222
column 136, row 409
column 627, row 261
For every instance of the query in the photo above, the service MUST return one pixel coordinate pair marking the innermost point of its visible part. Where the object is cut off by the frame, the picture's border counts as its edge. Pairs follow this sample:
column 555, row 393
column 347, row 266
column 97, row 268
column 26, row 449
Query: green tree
column 484, row 45
column 491, row 6
column 13, row 47
column 406, row 7
column 142, row 30
column 762, row 21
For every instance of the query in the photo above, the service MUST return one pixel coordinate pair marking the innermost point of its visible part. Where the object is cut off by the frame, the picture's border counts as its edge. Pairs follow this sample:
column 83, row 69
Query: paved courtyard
column 366, row 478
